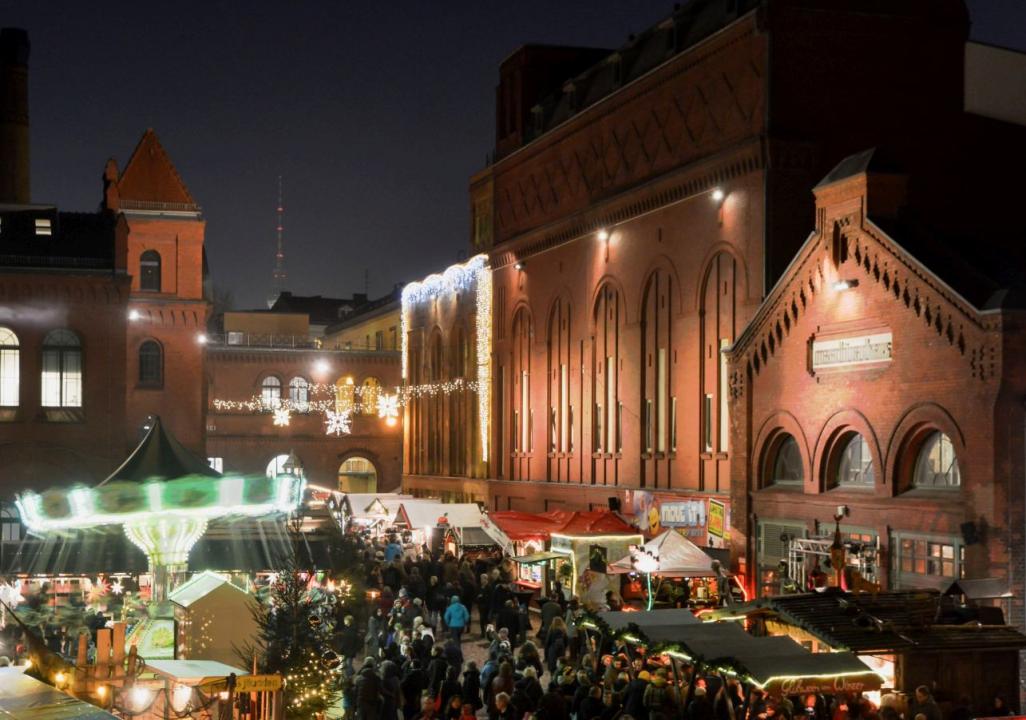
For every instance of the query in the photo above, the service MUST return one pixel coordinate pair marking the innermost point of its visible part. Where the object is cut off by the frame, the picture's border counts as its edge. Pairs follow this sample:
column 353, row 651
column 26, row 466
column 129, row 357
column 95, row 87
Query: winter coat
column 456, row 615
column 472, row 688
column 552, row 706
column 555, row 648
column 368, row 694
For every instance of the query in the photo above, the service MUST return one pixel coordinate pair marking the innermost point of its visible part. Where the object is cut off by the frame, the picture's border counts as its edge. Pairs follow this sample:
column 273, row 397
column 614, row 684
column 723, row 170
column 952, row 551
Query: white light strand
column 484, row 353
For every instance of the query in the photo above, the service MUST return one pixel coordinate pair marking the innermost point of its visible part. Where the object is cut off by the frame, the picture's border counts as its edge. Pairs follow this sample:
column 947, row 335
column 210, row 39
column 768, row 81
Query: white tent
column 426, row 514
column 677, row 556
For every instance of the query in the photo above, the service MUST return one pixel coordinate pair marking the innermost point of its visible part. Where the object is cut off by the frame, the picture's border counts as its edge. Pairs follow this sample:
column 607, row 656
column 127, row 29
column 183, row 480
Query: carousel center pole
column 166, row 540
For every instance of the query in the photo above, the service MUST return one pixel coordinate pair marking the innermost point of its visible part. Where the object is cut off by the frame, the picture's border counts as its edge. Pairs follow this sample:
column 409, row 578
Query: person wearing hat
column 633, row 703
column 700, row 707
column 368, row 691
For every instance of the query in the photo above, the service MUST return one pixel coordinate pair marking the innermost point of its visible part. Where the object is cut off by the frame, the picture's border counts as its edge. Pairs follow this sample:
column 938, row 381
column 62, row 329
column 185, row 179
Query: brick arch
column 366, row 454
column 561, row 295
column 915, row 425
column 666, row 264
column 742, row 279
column 773, row 428
column 596, row 294
column 827, row 440
column 264, row 374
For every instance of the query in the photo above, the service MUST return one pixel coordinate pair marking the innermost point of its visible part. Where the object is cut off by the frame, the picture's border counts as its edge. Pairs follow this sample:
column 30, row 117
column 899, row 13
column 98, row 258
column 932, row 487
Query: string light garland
column 473, row 274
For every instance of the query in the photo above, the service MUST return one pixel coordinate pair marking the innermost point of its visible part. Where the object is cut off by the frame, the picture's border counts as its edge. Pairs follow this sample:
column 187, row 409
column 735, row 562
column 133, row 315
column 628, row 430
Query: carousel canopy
column 160, row 456
column 25, row 698
column 678, row 557
column 534, row 526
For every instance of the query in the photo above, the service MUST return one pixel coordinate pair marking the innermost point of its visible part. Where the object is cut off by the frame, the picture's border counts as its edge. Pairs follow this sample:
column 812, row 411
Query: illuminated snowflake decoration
column 11, row 594
column 97, row 591
column 338, row 423
column 388, row 405
column 117, row 588
column 281, row 417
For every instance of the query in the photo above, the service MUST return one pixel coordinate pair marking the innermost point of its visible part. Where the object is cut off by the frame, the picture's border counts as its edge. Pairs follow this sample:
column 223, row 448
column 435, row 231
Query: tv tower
column 279, row 275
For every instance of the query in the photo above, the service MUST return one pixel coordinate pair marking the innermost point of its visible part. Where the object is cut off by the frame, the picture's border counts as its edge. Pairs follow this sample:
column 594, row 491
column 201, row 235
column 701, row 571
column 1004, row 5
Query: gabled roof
column 160, row 456
column 525, row 526
column 198, row 587
column 678, row 557
column 151, row 177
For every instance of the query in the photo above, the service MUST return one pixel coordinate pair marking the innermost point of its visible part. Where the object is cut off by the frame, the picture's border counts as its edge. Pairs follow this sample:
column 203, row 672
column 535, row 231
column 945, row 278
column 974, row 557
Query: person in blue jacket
column 456, row 617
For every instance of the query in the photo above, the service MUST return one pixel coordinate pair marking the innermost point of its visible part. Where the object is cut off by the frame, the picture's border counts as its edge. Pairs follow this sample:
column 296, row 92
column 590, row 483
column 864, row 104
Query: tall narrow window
column 570, row 427
column 936, row 465
column 673, row 424
column 661, row 400
column 553, row 430
column 270, row 391
column 707, row 423
column 611, row 403
column 525, row 410
column 597, row 432
column 605, row 367
column 648, row 426
column 149, row 271
column 369, row 392
column 520, row 374
column 62, row 369
column 345, row 394
column 299, row 393
column 151, row 364
column 10, row 368
column 724, row 418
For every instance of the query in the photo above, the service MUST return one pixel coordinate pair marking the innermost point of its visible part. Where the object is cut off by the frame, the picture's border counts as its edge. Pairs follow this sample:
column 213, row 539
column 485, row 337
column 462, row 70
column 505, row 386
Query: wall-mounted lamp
column 134, row 315
column 841, row 285
column 201, row 339
column 718, row 195
column 322, row 366
column 603, row 235
column 519, row 266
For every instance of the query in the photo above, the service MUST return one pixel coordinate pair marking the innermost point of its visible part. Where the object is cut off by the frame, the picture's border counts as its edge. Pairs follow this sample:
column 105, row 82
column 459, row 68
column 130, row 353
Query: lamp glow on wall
column 646, row 562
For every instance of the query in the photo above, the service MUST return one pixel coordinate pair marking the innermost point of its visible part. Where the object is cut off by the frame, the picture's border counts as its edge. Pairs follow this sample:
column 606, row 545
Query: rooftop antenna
column 279, row 275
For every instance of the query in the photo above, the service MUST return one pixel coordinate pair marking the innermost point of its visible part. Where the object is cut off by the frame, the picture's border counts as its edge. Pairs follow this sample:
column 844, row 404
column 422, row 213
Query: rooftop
column 40, row 236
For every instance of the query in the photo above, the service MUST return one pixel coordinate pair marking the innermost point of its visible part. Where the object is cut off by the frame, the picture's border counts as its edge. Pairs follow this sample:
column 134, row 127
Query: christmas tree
column 296, row 624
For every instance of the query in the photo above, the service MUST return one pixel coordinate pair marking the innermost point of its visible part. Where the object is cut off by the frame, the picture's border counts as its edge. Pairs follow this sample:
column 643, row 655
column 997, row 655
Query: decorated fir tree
column 296, row 625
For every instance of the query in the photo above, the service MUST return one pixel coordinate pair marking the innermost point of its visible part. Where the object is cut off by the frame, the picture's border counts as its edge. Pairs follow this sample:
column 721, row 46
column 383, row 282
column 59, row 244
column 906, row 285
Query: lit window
column 937, row 466
column 44, row 227
column 277, row 466
column 369, row 393
column 299, row 393
column 62, row 369
column 270, row 391
column 930, row 557
column 10, row 523
column 357, row 475
column 787, row 463
column 661, row 388
column 151, row 364
column 856, row 464
column 149, row 271
column 216, row 463
column 10, row 372
column 345, row 395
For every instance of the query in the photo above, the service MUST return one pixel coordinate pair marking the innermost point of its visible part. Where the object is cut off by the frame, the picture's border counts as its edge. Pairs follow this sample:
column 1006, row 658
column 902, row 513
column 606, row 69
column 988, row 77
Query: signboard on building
column 703, row 520
column 717, row 519
column 851, row 352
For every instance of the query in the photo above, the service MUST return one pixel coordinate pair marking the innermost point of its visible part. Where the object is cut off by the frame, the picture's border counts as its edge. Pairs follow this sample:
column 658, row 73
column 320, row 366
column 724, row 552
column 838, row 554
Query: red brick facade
column 247, row 441
column 941, row 365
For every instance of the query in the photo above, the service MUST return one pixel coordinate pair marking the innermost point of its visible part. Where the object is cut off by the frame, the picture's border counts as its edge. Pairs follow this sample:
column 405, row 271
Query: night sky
column 375, row 113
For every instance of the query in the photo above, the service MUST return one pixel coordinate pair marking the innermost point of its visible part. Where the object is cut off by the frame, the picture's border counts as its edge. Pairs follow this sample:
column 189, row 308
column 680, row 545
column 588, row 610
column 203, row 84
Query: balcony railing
column 290, row 342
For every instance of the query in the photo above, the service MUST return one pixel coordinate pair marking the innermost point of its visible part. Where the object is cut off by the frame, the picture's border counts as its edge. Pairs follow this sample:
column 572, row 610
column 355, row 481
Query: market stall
column 910, row 637
column 686, row 575
column 213, row 617
column 363, row 511
column 777, row 665
column 425, row 522
column 578, row 545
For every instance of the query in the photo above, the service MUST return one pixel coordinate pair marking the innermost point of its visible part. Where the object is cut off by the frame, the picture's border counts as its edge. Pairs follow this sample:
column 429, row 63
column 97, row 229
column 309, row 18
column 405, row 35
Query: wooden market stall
column 911, row 637
column 426, row 521
column 213, row 618
column 777, row 665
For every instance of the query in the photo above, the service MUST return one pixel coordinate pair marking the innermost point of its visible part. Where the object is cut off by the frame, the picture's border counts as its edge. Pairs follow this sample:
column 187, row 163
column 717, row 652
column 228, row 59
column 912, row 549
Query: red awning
column 540, row 526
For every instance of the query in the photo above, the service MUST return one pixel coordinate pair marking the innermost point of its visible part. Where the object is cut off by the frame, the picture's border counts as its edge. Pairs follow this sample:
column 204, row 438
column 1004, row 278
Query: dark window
column 787, row 466
column 149, row 271
column 151, row 364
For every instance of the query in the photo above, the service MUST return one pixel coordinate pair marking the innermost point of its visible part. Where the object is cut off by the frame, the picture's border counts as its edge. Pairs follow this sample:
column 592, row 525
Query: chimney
column 14, row 116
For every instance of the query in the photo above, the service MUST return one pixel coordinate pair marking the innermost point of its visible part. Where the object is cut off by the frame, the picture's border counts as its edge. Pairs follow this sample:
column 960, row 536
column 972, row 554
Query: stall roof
column 538, row 557
column 531, row 526
column 766, row 660
column 895, row 621
column 427, row 514
column 25, row 698
column 475, row 537
column 980, row 589
column 198, row 587
column 192, row 670
column 359, row 502
column 678, row 557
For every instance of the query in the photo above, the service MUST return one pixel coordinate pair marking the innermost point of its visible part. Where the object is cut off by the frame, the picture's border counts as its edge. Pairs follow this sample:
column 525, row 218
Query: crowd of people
column 412, row 665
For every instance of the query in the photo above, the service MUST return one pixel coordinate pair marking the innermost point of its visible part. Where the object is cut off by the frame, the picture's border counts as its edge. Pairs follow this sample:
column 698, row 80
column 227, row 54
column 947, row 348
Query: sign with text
column 851, row 352
column 689, row 514
column 717, row 518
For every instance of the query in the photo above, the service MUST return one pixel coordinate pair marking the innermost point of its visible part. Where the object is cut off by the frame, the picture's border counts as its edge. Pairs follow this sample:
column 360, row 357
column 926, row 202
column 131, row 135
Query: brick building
column 99, row 311
column 884, row 377
column 265, row 357
column 641, row 204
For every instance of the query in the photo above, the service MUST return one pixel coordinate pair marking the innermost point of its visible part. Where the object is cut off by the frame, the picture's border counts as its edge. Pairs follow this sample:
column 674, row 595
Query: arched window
column 10, row 368
column 280, row 465
column 62, row 369
column 357, row 475
column 936, row 465
column 369, row 391
column 522, row 422
column 299, row 393
column 560, row 413
column 606, row 433
column 151, row 364
column 787, row 463
column 658, row 409
column 855, row 465
column 149, row 271
column 270, row 391
column 345, row 394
